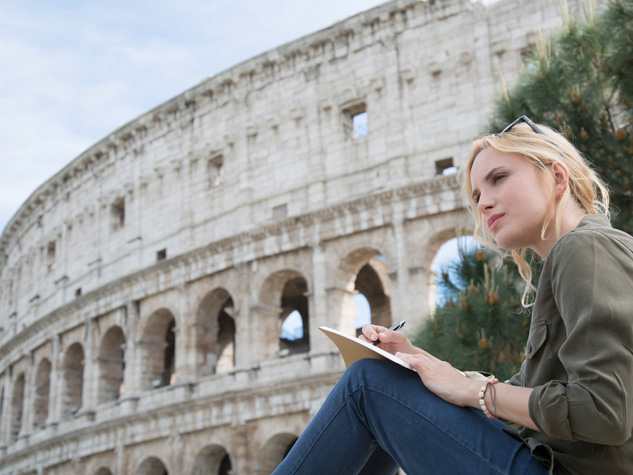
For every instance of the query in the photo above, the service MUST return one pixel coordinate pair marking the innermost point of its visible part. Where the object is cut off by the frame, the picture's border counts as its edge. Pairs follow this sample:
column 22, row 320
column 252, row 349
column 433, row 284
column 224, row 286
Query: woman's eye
column 498, row 177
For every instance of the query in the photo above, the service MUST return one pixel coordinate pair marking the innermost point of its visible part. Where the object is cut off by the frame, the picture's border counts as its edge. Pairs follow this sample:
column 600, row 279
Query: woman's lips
column 494, row 219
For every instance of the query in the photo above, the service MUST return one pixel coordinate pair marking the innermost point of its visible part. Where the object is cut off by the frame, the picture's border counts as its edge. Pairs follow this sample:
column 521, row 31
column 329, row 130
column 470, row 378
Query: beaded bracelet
column 493, row 396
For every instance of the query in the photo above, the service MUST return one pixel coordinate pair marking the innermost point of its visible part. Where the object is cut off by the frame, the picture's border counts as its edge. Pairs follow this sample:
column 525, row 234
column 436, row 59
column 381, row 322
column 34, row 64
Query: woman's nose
column 484, row 203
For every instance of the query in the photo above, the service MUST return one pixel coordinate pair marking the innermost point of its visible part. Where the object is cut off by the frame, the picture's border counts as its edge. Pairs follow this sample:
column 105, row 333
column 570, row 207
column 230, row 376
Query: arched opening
column 275, row 450
column 169, row 357
column 294, row 305
column 152, row 466
column 283, row 314
column 159, row 350
column 17, row 406
column 371, row 286
column 363, row 290
column 226, row 340
column 111, row 365
column 103, row 471
column 215, row 333
column 212, row 460
column 447, row 256
column 42, row 393
column 73, row 369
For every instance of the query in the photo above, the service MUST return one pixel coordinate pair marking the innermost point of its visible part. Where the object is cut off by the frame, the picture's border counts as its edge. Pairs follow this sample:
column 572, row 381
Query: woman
column 528, row 188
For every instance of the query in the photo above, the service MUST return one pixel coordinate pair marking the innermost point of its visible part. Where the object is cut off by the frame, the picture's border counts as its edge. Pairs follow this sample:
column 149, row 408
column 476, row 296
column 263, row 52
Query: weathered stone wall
column 143, row 287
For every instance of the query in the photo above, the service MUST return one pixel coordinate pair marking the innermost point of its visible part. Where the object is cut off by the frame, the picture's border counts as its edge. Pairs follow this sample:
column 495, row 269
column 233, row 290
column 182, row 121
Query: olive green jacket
column 579, row 354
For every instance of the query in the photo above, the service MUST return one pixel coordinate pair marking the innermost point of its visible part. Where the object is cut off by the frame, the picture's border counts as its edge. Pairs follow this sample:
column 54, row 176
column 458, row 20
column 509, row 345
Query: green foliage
column 580, row 82
column 482, row 326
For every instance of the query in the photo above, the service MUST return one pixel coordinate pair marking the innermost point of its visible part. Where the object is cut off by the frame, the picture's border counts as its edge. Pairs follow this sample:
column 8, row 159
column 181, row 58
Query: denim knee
column 373, row 373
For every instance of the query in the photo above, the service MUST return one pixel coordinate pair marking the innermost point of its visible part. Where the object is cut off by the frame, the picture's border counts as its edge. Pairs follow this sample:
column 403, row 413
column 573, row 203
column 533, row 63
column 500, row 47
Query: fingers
column 429, row 355
column 422, row 360
column 370, row 332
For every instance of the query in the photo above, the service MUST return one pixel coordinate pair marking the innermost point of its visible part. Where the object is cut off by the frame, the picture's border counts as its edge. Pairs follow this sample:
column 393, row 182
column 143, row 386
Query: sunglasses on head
column 528, row 121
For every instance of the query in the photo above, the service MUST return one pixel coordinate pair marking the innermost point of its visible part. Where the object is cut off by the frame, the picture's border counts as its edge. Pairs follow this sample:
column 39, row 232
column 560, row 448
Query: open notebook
column 353, row 349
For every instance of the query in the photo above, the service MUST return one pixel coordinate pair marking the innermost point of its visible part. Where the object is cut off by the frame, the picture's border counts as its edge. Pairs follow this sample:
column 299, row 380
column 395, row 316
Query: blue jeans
column 380, row 416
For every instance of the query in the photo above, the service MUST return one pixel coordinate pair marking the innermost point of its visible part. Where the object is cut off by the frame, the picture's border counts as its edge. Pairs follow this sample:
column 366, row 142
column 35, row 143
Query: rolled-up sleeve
column 592, row 285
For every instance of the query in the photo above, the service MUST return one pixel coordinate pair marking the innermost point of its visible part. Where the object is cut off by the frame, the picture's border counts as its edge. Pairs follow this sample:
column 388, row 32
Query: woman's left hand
column 442, row 379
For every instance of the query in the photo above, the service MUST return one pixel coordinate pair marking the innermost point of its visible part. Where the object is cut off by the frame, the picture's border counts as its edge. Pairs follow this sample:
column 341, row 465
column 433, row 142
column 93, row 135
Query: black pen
column 394, row 328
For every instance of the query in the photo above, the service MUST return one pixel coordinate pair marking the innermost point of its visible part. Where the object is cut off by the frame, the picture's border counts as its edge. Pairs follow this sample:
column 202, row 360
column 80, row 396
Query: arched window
column 159, row 350
column 294, row 307
column 152, row 466
column 225, row 349
column 169, row 356
column 111, row 365
column 215, row 333
column 275, row 450
column 73, row 370
column 42, row 393
column 212, row 460
column 17, row 406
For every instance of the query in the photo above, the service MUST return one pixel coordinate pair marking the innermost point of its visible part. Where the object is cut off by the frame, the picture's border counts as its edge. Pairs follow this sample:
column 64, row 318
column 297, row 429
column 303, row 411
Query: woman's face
column 511, row 198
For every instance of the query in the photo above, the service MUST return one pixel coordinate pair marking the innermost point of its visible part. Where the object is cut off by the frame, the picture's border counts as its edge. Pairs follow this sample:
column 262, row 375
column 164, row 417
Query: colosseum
column 144, row 286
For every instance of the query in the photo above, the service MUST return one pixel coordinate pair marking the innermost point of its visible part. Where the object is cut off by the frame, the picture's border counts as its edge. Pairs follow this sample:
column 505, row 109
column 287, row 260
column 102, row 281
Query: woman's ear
column 561, row 178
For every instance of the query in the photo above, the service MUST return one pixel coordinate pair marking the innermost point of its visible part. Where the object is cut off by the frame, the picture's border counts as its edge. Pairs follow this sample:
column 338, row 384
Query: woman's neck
column 571, row 214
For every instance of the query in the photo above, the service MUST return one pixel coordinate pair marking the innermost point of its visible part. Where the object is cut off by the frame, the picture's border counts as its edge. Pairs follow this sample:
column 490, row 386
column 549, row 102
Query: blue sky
column 73, row 71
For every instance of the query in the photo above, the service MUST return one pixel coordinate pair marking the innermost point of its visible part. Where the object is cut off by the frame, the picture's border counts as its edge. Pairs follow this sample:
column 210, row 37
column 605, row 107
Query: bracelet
column 493, row 396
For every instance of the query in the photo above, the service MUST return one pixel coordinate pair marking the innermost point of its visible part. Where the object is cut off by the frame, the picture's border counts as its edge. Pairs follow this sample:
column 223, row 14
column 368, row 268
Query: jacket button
column 529, row 348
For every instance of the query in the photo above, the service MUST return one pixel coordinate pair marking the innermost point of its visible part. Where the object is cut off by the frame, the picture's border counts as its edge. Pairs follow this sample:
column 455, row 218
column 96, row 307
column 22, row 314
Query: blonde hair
column 584, row 185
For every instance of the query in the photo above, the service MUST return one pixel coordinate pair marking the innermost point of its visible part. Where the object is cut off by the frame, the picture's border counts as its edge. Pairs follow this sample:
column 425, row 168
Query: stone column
column 264, row 338
column 399, row 277
column 57, row 382
column 185, row 367
column 318, row 301
column 132, row 373
column 91, row 368
column 28, row 408
column 4, row 410
column 341, row 310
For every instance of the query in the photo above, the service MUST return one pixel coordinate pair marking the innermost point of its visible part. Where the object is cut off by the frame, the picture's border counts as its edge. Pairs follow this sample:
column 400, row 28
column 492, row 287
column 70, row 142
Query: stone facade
column 143, row 287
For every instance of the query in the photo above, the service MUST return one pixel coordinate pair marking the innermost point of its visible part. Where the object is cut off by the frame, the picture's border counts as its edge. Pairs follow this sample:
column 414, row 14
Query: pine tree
column 580, row 82
column 482, row 326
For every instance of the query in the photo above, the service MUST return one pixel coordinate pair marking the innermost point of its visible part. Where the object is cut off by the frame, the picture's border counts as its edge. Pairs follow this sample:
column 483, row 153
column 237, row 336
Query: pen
column 394, row 328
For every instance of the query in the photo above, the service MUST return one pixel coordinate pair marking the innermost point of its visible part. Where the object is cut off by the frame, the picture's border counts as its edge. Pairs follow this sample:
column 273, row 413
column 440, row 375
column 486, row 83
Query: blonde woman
column 528, row 188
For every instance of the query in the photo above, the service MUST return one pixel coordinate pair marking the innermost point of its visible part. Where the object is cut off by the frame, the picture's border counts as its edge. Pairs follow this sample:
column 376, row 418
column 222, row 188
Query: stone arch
column 432, row 247
column 111, row 364
column 17, row 406
column 364, row 271
column 159, row 349
column 282, row 293
column 41, row 394
column 214, row 333
column 152, row 466
column 73, row 378
column 103, row 471
column 436, row 240
column 212, row 460
column 275, row 450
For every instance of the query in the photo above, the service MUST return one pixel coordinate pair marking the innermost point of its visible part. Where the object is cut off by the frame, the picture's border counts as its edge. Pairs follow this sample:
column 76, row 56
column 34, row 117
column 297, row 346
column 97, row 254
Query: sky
column 73, row 71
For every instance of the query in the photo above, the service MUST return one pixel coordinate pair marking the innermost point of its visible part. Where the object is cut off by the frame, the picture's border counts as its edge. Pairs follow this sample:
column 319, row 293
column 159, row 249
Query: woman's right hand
column 390, row 341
